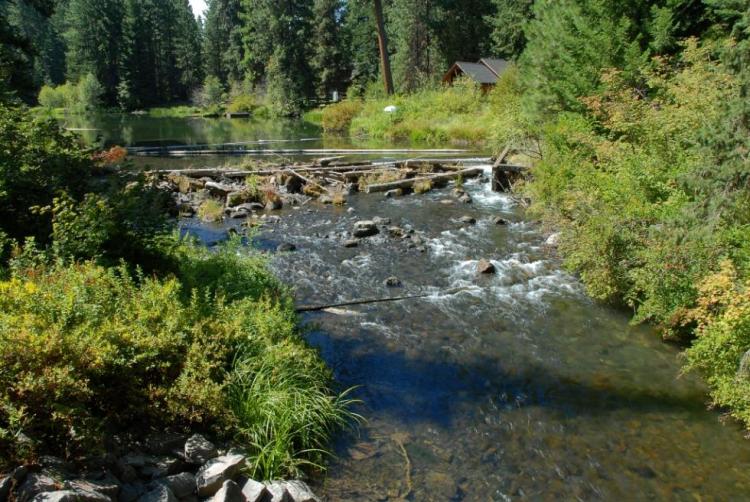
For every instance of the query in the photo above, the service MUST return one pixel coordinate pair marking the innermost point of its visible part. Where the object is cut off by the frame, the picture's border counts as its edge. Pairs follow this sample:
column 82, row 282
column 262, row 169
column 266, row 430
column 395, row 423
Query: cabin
column 485, row 72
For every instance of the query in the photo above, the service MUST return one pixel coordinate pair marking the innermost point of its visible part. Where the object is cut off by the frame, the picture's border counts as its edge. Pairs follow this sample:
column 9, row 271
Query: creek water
column 513, row 386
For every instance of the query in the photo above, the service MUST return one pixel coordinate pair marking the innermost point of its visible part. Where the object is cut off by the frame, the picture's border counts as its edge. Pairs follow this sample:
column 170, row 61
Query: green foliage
column 242, row 103
column 49, row 97
column 508, row 22
column 90, row 92
column 211, row 210
column 338, row 117
column 211, row 94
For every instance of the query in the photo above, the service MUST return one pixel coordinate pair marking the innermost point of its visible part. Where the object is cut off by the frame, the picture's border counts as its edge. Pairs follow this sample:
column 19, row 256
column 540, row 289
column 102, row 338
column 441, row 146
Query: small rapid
column 509, row 386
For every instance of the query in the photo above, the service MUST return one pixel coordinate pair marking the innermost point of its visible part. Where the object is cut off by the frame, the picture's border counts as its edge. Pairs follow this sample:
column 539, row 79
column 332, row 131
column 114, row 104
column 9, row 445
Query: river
column 514, row 386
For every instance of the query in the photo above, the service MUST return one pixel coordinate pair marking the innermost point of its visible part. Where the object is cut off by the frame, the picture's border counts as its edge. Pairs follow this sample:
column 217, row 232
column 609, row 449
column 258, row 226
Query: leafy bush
column 338, row 117
column 211, row 210
column 90, row 92
column 85, row 348
column 242, row 103
column 50, row 97
column 210, row 94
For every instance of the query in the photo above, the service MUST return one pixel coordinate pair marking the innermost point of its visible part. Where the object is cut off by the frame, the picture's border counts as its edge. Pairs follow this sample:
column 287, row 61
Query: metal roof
column 497, row 66
column 477, row 71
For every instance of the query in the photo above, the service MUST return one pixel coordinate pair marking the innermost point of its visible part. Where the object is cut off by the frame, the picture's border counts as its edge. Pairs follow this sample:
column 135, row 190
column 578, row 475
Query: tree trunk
column 385, row 61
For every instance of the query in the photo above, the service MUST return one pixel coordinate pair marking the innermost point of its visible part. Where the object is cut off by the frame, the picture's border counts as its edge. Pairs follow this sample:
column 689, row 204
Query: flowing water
column 507, row 387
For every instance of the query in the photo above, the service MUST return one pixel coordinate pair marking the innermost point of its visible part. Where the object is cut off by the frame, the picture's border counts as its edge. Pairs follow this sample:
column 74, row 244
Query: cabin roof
column 477, row 71
column 486, row 71
column 497, row 66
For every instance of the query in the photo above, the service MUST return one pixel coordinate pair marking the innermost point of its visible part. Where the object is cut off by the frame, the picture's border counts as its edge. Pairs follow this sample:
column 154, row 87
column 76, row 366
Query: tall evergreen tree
column 464, row 28
column 360, row 32
column 223, row 47
column 276, row 39
column 93, row 36
column 507, row 27
column 418, row 58
column 328, row 61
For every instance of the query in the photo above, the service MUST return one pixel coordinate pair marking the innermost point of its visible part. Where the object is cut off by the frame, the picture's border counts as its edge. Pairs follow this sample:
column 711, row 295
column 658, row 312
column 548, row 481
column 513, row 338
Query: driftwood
column 505, row 175
column 317, row 308
column 408, row 183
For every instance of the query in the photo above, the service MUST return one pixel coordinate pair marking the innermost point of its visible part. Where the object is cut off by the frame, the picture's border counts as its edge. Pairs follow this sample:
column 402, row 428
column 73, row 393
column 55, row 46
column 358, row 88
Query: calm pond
column 516, row 387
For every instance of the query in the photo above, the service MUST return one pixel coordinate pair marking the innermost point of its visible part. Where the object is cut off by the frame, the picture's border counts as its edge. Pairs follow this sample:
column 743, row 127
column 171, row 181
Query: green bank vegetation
column 108, row 321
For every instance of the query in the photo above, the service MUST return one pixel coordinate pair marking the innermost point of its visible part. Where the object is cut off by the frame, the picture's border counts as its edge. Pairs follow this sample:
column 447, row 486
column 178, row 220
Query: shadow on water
column 423, row 390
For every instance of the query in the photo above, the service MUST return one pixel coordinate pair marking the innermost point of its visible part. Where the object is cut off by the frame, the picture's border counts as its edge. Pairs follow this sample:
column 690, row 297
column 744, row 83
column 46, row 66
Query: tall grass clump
column 338, row 117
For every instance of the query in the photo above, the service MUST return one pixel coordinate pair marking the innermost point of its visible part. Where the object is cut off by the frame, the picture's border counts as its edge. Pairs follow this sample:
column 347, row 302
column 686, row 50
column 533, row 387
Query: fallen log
column 318, row 308
column 505, row 175
column 408, row 183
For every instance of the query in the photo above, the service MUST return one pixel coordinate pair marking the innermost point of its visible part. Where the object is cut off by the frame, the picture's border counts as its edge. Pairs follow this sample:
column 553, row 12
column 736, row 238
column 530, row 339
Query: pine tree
column 276, row 39
column 360, row 32
column 418, row 57
column 223, row 47
column 507, row 25
column 93, row 42
column 328, row 62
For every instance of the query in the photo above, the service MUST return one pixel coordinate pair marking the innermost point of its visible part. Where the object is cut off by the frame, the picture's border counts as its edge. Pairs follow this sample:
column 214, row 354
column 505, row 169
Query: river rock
column 465, row 198
column 469, row 220
column 274, row 204
column 553, row 240
column 278, row 492
column 381, row 221
column 485, row 267
column 109, row 488
column 392, row 282
column 229, row 492
column 130, row 492
column 211, row 476
column 365, row 228
column 182, row 484
column 238, row 214
column 34, row 484
column 286, row 247
column 300, row 492
column 254, row 491
column 500, row 221
column 218, row 189
column 160, row 493
column 199, row 450
column 396, row 192
column 57, row 496
column 6, row 483
column 351, row 243
column 124, row 471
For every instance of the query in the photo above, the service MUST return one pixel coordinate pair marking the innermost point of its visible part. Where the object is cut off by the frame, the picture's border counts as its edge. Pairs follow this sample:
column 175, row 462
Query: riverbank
column 113, row 324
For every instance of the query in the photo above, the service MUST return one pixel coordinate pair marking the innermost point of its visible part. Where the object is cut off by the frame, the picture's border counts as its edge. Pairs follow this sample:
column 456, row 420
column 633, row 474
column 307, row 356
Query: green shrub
column 211, row 93
column 242, row 103
column 338, row 117
column 50, row 97
column 211, row 210
column 90, row 93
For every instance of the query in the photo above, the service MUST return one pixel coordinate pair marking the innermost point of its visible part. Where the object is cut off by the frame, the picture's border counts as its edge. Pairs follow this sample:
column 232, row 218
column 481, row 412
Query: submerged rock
column 381, row 221
column 393, row 282
column 351, row 243
column 286, row 247
column 465, row 198
column 500, row 221
column 485, row 267
column 469, row 220
column 365, row 228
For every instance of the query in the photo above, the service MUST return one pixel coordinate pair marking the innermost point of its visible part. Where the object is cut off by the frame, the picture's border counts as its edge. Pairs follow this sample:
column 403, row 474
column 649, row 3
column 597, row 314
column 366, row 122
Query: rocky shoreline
column 164, row 468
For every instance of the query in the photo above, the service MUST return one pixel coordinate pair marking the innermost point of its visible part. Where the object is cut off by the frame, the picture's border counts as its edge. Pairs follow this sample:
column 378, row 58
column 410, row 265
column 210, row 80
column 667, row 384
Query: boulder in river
column 468, row 220
column 381, row 221
column 351, row 243
column 393, row 282
column 485, row 267
column 254, row 491
column 286, row 247
column 499, row 220
column 218, row 189
column 466, row 199
column 365, row 228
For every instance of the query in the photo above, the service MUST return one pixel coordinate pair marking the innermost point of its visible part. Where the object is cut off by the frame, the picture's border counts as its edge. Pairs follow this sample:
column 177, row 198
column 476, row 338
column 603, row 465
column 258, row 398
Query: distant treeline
column 148, row 52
